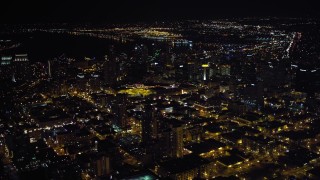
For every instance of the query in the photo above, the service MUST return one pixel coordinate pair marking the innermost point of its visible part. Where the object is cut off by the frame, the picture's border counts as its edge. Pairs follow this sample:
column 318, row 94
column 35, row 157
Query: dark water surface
column 43, row 46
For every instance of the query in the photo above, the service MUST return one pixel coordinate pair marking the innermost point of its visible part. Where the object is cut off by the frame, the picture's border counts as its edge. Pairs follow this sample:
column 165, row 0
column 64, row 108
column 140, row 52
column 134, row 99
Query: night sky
column 149, row 10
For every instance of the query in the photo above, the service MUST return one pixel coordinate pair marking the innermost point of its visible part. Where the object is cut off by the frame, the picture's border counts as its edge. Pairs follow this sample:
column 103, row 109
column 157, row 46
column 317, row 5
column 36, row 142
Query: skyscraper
column 177, row 142
column 120, row 111
column 49, row 69
column 111, row 69
column 225, row 69
column 21, row 58
column 173, row 138
column 205, row 73
column 147, row 123
column 6, row 60
column 102, row 165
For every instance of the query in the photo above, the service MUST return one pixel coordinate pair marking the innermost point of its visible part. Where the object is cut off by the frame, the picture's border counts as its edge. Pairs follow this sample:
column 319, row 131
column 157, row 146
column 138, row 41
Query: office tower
column 141, row 52
column 121, row 111
column 21, row 58
column 191, row 71
column 173, row 141
column 6, row 60
column 186, row 72
column 155, row 126
column 248, row 72
column 102, row 165
column 179, row 73
column 177, row 141
column 149, row 125
column 49, row 69
column 111, row 70
column 20, row 66
column 225, row 70
column 205, row 71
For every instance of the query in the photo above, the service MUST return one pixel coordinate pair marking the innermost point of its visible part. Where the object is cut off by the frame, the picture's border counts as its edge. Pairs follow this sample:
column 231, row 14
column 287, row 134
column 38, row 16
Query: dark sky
column 30, row 11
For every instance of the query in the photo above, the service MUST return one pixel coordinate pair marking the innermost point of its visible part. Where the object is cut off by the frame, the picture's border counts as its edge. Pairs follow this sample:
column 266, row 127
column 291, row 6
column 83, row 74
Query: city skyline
column 151, row 90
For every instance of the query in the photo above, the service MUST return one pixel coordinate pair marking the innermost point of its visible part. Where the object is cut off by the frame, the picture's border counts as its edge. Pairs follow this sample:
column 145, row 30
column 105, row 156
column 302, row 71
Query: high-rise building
column 155, row 126
column 20, row 66
column 225, row 70
column 121, row 111
column 248, row 72
column 177, row 141
column 6, row 60
column 149, row 124
column 111, row 70
column 21, row 58
column 141, row 52
column 173, row 138
column 102, row 166
column 49, row 69
column 186, row 72
column 205, row 71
